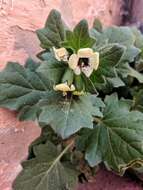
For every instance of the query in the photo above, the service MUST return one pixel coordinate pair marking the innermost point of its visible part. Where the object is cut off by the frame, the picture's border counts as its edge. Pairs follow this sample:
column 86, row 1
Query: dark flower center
column 83, row 62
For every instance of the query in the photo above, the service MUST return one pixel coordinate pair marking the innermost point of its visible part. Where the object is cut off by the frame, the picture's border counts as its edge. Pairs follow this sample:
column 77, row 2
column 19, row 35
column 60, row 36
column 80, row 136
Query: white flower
column 84, row 61
column 61, row 54
column 64, row 87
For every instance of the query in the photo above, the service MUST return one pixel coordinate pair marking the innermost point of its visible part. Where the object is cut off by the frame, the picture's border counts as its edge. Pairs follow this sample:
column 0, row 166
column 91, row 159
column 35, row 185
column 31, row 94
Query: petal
column 85, row 53
column 78, row 93
column 87, row 70
column 60, row 53
column 94, row 60
column 73, row 61
column 62, row 87
column 77, row 70
column 55, row 53
column 72, row 87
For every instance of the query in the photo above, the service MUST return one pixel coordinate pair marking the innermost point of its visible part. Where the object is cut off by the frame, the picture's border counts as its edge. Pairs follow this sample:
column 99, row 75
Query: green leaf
column 97, row 25
column 79, row 38
column 71, row 114
column 47, row 134
column 68, row 76
column 132, row 72
column 45, row 171
column 53, row 32
column 115, row 82
column 126, row 70
column 100, row 39
column 52, row 69
column 130, row 54
column 98, row 105
column 122, row 35
column 21, row 88
column 137, row 103
column 116, row 138
column 110, row 56
column 138, row 37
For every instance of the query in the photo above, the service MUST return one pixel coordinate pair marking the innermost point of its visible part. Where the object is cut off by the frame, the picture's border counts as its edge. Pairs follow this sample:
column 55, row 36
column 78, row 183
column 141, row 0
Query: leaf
column 132, row 72
column 52, row 69
column 98, row 105
column 138, row 37
column 116, row 138
column 137, row 103
column 139, row 97
column 97, row 25
column 122, row 35
column 110, row 56
column 45, row 171
column 130, row 54
column 53, row 32
column 71, row 114
column 21, row 88
column 115, row 82
column 126, row 70
column 100, row 39
column 79, row 38
column 47, row 134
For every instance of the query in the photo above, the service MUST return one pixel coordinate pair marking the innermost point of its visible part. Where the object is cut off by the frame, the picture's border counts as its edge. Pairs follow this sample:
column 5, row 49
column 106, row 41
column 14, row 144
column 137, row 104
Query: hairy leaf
column 21, row 88
column 138, row 37
column 130, row 54
column 79, row 38
column 53, row 32
column 67, row 117
column 122, row 35
column 116, row 138
column 97, row 25
column 126, row 70
column 52, row 69
column 45, row 171
column 110, row 56
column 137, row 103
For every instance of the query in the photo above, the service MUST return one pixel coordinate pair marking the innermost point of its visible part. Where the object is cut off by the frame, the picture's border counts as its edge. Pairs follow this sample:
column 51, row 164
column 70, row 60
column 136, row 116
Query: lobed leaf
column 71, row 114
column 45, row 171
column 52, row 69
column 53, row 32
column 116, row 138
column 79, row 38
column 21, row 88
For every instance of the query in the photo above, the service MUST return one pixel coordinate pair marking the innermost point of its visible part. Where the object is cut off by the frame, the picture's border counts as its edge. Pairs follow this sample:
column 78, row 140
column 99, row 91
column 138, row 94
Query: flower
column 78, row 93
column 84, row 61
column 61, row 54
column 64, row 87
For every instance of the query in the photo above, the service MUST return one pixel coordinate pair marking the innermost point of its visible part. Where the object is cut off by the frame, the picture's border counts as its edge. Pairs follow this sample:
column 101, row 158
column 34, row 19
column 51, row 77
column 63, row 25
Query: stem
column 55, row 162
column 60, row 156
column 97, row 120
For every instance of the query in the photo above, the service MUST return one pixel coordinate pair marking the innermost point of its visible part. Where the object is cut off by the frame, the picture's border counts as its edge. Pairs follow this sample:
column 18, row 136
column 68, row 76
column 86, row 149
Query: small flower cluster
column 85, row 61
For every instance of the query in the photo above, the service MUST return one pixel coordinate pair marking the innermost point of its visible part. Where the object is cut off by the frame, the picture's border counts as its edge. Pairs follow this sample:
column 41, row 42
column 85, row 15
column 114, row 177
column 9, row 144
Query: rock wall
column 18, row 21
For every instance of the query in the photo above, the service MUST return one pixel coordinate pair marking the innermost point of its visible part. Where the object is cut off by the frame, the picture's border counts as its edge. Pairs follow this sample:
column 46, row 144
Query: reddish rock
column 18, row 22
column 136, row 12
column 108, row 181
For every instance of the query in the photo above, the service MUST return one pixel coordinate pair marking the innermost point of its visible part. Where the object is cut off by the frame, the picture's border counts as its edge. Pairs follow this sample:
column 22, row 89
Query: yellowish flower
column 64, row 87
column 84, row 61
column 78, row 93
column 61, row 54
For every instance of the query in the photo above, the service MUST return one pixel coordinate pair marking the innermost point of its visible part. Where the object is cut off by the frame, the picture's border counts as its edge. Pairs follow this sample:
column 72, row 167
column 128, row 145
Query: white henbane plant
column 86, row 93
